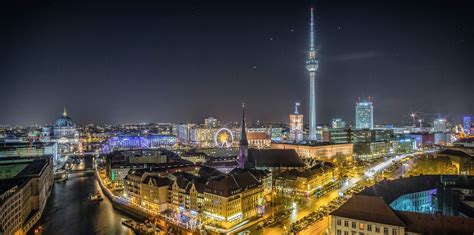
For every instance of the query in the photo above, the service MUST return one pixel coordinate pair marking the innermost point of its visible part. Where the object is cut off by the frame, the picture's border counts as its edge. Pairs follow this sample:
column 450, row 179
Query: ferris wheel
column 223, row 138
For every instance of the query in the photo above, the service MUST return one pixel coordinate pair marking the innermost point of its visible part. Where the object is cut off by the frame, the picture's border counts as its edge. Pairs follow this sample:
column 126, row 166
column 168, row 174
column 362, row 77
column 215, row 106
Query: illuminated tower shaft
column 312, row 65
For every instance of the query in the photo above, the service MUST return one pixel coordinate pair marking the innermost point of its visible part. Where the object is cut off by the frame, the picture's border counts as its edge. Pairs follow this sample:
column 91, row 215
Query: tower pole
column 312, row 65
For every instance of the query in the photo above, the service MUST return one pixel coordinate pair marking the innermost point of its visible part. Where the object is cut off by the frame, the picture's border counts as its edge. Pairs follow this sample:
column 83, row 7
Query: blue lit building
column 364, row 115
column 467, row 122
column 138, row 142
column 442, row 194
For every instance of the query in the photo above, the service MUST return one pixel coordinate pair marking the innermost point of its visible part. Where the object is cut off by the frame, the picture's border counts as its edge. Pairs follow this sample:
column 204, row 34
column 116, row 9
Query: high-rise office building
column 296, row 125
column 312, row 65
column 211, row 122
column 467, row 122
column 439, row 125
column 364, row 115
column 338, row 123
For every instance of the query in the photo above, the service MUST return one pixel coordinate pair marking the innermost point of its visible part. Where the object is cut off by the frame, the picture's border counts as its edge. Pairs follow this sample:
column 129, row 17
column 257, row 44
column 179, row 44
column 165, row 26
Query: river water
column 68, row 210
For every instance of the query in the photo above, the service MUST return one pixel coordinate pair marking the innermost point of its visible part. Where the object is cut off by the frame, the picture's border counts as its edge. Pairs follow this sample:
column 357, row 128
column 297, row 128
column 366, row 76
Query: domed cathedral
column 65, row 128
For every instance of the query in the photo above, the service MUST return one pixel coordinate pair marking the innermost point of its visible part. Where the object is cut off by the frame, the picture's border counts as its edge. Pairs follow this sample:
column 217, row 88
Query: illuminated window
column 361, row 226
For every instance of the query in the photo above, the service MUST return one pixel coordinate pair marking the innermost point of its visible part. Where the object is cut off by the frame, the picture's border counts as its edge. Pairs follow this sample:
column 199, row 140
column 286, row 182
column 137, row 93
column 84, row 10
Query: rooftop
column 311, row 172
column 34, row 168
column 257, row 136
column 310, row 144
column 456, row 152
column 368, row 208
column 236, row 181
column 435, row 224
column 390, row 190
column 274, row 158
column 157, row 181
column 7, row 184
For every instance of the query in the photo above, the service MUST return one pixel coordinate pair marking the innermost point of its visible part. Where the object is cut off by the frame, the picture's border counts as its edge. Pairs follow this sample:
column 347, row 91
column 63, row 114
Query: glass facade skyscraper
column 439, row 125
column 364, row 115
column 467, row 122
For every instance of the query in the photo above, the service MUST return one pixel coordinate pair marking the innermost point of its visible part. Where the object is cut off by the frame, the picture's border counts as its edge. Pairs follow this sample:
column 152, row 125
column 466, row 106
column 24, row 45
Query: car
column 246, row 232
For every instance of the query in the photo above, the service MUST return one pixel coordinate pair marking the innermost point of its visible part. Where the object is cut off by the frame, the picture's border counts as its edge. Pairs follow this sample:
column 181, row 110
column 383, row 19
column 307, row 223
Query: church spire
column 243, row 132
column 243, row 144
column 64, row 112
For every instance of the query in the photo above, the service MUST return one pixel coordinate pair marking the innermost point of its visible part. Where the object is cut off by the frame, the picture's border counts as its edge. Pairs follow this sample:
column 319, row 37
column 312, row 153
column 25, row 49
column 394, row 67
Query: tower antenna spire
column 296, row 107
column 311, row 44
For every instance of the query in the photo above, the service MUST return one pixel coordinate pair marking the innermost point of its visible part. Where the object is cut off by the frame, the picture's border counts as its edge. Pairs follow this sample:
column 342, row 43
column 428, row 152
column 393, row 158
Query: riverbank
column 117, row 204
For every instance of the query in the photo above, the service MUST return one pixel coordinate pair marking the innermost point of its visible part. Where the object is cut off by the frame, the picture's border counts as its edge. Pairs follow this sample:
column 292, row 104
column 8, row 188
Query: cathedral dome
column 64, row 121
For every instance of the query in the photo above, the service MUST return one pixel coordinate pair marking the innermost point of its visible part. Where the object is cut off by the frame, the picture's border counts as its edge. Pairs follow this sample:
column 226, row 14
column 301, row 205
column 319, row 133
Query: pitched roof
column 308, row 173
column 259, row 174
column 436, row 224
column 257, row 136
column 208, row 172
column 224, row 186
column 390, row 190
column 274, row 158
column 157, row 181
column 232, row 183
column 368, row 208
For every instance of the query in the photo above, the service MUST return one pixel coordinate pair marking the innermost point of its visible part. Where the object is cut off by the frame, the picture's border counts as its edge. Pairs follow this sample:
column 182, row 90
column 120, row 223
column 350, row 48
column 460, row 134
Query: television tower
column 312, row 65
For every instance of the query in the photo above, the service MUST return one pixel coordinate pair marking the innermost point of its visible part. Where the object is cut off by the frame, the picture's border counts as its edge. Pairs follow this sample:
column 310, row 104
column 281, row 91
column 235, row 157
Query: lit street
column 306, row 206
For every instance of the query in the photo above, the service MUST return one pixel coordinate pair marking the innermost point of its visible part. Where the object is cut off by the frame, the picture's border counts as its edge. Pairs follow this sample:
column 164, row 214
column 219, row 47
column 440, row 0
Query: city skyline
column 112, row 77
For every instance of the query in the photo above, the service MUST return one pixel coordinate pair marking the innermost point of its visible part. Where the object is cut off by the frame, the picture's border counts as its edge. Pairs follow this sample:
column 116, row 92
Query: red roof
column 257, row 136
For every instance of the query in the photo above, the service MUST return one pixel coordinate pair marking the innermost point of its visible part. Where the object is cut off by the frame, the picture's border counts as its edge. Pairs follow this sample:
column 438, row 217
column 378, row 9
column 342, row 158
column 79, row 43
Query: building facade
column 336, row 153
column 364, row 117
column 296, row 126
column 24, row 196
column 313, row 180
column 338, row 123
column 467, row 123
column 440, row 125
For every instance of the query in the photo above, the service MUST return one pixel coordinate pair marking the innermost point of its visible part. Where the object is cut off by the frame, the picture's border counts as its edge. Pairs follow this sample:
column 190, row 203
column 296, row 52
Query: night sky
column 144, row 61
